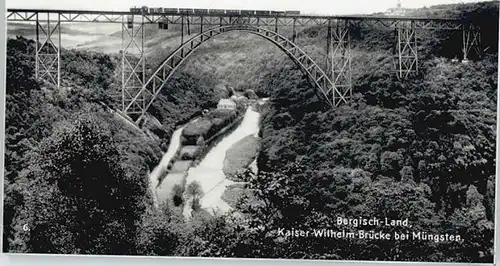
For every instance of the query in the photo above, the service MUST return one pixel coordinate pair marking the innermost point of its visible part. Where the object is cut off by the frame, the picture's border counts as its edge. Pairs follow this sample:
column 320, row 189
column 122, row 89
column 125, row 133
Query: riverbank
column 209, row 172
column 161, row 171
column 188, row 147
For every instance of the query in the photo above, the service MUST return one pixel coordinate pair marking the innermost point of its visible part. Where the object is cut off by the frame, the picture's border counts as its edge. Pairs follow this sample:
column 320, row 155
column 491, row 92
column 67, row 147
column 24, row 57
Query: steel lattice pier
column 333, row 80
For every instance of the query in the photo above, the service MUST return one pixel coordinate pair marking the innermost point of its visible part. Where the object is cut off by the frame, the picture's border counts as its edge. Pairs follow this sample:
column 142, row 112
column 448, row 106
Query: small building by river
column 226, row 104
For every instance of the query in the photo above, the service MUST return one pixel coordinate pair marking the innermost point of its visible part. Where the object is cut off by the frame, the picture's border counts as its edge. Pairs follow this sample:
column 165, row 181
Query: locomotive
column 194, row 11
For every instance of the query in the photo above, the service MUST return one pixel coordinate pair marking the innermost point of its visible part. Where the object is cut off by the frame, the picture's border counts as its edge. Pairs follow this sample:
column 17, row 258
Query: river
column 159, row 192
column 209, row 172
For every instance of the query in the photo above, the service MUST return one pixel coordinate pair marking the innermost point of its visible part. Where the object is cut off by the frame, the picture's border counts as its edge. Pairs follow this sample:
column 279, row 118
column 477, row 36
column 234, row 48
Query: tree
column 177, row 195
column 471, row 223
column 80, row 198
column 195, row 191
column 161, row 231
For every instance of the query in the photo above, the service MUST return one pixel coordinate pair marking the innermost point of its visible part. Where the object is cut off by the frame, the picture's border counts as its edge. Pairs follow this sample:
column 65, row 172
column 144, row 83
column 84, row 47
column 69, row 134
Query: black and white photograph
column 306, row 130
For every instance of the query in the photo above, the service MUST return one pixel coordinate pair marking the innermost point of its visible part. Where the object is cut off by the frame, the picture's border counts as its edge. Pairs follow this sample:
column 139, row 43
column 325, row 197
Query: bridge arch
column 139, row 103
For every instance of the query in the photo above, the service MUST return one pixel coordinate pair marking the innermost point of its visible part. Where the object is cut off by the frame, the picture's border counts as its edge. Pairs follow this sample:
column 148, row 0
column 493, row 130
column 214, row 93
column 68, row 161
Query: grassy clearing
column 240, row 156
column 181, row 166
column 166, row 191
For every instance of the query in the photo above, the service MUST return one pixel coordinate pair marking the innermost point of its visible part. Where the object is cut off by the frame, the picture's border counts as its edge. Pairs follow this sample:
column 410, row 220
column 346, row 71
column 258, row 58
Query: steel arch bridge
column 136, row 103
column 333, row 81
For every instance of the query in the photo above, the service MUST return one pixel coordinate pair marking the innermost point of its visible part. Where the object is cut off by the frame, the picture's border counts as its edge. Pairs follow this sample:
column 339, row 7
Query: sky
column 330, row 7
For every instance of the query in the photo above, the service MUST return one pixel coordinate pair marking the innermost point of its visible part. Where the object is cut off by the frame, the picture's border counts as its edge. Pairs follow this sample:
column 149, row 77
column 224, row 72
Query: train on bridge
column 194, row 11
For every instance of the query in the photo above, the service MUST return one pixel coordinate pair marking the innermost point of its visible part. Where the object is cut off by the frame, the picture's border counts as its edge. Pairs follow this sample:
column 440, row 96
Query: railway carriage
column 216, row 11
column 171, row 10
column 190, row 11
column 292, row 13
column 186, row 11
column 247, row 12
column 200, row 11
column 155, row 10
column 232, row 12
column 262, row 12
column 279, row 13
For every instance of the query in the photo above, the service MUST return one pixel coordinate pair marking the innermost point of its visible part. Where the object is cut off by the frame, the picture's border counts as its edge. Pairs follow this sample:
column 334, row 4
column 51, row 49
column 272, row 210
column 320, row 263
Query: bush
column 207, row 126
column 190, row 152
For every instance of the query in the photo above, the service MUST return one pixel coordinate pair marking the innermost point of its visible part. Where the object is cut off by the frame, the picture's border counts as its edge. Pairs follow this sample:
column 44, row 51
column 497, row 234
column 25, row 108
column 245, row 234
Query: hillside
column 423, row 149
column 74, row 128
column 245, row 62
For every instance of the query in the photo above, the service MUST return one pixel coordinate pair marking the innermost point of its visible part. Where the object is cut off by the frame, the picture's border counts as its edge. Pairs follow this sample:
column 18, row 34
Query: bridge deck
column 126, row 13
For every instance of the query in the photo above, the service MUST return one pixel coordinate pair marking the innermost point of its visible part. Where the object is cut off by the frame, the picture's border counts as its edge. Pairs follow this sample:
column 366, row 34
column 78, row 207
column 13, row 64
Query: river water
column 159, row 192
column 209, row 172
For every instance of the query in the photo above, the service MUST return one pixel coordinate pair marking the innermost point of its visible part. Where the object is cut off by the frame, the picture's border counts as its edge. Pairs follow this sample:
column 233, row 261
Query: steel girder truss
column 406, row 50
column 48, row 50
column 162, row 74
column 221, row 20
column 339, row 58
column 394, row 23
column 133, row 65
column 137, row 94
column 471, row 39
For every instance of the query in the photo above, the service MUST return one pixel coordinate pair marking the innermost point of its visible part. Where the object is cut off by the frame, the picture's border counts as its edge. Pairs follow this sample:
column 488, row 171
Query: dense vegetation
column 204, row 128
column 179, row 101
column 422, row 149
column 65, row 149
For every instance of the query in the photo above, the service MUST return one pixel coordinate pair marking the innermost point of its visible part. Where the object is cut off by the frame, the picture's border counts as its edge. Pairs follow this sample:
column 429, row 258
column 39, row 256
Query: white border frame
column 10, row 259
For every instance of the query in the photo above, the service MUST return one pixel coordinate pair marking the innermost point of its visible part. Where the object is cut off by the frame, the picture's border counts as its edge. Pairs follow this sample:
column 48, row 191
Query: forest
column 423, row 149
column 57, row 134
